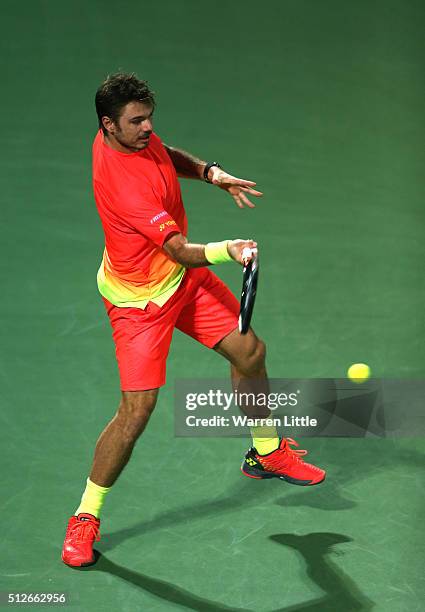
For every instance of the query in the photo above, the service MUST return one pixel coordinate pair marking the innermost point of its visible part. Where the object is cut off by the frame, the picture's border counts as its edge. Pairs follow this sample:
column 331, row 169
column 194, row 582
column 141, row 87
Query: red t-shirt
column 139, row 201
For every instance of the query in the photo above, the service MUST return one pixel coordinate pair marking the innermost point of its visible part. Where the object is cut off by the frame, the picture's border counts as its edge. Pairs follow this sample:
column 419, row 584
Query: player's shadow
column 241, row 495
column 160, row 588
column 360, row 462
column 340, row 591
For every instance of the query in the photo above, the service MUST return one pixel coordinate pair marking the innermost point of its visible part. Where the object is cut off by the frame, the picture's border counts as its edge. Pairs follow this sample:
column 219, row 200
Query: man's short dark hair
column 118, row 90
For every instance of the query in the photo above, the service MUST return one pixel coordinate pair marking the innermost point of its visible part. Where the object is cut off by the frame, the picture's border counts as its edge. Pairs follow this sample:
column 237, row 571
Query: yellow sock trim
column 92, row 499
column 265, row 439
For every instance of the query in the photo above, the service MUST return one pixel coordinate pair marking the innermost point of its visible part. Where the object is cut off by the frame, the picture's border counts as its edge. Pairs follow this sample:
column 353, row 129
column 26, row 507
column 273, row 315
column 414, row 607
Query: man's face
column 134, row 127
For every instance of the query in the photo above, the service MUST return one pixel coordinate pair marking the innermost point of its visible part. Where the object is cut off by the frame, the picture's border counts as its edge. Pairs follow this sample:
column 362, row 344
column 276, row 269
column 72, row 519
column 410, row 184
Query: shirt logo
column 158, row 216
column 163, row 225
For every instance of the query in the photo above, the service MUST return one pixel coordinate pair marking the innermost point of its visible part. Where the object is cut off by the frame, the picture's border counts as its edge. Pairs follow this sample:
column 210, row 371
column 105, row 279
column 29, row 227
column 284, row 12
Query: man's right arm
column 192, row 255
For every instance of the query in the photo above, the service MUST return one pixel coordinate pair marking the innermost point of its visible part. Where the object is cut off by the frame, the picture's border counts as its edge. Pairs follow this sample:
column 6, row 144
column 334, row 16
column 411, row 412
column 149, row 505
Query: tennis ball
column 358, row 372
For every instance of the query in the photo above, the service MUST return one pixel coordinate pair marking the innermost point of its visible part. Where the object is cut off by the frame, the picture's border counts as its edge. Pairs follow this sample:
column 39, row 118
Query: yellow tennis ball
column 358, row 372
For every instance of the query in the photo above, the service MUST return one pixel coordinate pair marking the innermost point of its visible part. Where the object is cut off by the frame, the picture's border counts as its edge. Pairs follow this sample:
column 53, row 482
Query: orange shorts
column 202, row 307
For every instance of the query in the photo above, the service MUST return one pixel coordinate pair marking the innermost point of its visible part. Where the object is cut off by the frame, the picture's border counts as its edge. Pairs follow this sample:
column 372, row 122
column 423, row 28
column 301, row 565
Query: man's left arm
column 189, row 166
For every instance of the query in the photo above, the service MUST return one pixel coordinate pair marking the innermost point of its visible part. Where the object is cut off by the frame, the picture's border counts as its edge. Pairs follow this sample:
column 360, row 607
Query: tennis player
column 153, row 280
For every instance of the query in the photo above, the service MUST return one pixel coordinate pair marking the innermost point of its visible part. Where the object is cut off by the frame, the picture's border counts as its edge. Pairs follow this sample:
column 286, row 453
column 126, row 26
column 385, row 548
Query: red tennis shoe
column 285, row 463
column 82, row 532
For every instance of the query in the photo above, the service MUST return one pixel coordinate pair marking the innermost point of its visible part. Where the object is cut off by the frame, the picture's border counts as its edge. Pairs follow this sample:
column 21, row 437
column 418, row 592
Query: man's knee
column 252, row 362
column 135, row 409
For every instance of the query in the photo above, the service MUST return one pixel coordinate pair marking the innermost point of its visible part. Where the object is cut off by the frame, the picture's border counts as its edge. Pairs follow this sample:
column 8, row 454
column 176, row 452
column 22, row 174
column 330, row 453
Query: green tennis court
column 322, row 104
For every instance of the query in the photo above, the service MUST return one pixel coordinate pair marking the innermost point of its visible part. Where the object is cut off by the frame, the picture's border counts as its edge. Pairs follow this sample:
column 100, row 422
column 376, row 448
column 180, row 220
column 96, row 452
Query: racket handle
column 246, row 254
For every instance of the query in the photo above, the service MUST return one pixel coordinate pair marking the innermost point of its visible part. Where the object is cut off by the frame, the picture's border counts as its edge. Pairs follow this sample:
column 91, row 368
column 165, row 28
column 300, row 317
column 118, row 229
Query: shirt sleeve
column 142, row 211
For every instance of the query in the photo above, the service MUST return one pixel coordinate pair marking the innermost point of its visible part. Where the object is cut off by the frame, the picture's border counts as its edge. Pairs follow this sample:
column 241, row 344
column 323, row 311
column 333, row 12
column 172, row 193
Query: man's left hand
column 236, row 187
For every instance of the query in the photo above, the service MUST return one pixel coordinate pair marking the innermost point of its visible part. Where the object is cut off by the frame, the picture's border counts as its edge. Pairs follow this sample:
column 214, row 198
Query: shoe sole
column 301, row 483
column 81, row 564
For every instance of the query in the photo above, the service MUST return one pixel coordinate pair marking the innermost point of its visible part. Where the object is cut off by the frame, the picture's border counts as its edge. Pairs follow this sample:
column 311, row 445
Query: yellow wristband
column 216, row 252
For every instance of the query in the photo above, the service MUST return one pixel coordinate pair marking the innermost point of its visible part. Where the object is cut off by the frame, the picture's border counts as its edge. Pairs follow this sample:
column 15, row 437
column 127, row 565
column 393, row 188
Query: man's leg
column 115, row 445
column 116, row 442
column 247, row 356
column 211, row 317
column 112, row 452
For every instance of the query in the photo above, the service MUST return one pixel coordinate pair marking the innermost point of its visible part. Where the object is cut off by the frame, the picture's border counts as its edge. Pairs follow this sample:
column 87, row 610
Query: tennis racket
column 249, row 291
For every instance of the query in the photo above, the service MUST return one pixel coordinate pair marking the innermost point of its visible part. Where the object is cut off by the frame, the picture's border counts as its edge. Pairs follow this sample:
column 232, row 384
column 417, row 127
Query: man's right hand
column 193, row 255
column 236, row 247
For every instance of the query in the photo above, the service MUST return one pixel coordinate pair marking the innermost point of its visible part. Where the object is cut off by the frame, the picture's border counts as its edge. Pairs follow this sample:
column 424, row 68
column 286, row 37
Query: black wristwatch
column 208, row 168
